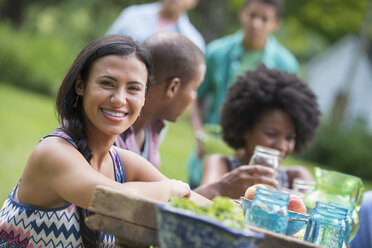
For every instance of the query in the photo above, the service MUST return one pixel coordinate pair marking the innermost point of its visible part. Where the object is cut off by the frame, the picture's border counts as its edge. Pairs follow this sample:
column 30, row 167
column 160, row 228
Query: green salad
column 222, row 209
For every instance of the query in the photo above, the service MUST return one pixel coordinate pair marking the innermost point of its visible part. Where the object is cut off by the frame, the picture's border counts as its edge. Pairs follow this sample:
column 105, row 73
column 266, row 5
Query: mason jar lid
column 267, row 150
column 273, row 196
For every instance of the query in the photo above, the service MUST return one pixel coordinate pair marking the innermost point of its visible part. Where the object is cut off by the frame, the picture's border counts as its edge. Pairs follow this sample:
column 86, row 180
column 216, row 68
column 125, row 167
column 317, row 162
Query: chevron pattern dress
column 23, row 225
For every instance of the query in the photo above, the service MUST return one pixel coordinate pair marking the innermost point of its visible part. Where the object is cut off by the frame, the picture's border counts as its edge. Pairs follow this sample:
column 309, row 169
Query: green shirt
column 225, row 59
column 248, row 61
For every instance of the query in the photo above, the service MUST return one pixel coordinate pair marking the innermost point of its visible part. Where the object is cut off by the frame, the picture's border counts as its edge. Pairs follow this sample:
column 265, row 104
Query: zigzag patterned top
column 23, row 225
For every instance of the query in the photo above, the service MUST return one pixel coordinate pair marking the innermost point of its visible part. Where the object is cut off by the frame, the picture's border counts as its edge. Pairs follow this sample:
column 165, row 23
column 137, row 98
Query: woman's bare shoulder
column 53, row 150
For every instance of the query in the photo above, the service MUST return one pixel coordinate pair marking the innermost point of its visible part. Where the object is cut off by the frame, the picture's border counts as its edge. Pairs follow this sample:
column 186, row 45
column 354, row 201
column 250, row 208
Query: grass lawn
column 26, row 117
column 176, row 148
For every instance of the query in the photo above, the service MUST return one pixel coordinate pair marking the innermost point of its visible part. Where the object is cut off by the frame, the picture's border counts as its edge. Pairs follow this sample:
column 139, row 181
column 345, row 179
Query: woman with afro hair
column 264, row 107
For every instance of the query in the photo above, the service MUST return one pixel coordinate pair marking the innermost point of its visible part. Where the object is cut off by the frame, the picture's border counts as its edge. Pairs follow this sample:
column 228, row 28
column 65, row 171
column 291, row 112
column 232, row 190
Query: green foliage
column 331, row 19
column 222, row 209
column 38, row 55
column 33, row 62
column 77, row 21
column 347, row 151
column 302, row 42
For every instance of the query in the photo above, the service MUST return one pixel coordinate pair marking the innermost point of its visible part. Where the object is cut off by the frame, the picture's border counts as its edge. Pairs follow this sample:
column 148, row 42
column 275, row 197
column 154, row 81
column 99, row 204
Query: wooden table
column 132, row 219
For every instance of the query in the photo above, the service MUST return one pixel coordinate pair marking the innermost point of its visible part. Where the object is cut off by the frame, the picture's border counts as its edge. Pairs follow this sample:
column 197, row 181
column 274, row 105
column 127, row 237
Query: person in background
column 100, row 97
column 178, row 70
column 142, row 21
column 231, row 56
column 364, row 234
column 264, row 107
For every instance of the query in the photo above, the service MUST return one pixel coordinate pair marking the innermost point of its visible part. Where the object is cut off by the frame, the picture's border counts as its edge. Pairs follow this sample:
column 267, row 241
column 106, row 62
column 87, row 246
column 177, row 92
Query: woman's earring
column 76, row 101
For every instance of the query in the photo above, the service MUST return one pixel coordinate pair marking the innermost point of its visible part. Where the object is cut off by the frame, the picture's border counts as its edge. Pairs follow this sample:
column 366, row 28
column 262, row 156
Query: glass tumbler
column 303, row 186
column 269, row 210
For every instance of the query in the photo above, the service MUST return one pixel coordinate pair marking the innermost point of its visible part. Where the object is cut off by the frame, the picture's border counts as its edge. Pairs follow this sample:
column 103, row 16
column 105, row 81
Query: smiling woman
column 100, row 97
column 115, row 92
column 265, row 107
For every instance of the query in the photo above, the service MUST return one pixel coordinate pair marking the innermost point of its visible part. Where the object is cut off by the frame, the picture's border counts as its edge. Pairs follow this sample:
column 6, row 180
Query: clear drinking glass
column 302, row 187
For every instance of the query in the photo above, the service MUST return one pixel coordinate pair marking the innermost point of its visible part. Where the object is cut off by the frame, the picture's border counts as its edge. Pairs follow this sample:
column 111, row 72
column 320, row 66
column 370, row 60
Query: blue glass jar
column 349, row 220
column 327, row 225
column 269, row 210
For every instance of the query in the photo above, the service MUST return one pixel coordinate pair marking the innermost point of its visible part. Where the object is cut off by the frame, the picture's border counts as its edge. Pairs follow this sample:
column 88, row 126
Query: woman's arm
column 57, row 173
column 215, row 166
column 139, row 169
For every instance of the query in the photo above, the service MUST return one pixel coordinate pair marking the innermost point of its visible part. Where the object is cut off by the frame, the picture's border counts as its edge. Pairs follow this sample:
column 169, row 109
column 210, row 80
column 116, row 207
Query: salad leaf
column 222, row 209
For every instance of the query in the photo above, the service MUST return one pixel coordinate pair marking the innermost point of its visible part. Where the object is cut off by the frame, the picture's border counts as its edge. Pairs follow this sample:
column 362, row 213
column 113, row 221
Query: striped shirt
column 24, row 225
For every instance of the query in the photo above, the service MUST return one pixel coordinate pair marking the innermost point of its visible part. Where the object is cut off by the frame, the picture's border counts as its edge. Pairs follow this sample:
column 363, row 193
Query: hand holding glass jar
column 265, row 156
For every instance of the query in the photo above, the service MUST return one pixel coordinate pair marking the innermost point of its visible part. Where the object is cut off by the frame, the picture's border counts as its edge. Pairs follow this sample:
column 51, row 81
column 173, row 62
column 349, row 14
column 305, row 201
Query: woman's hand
column 218, row 180
column 235, row 182
column 178, row 188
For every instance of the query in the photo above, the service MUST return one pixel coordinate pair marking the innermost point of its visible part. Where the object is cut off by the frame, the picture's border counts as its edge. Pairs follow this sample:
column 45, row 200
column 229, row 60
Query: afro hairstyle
column 263, row 89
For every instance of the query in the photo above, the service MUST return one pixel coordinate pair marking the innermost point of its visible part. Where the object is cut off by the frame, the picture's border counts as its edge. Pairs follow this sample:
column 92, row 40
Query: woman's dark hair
column 277, row 4
column 72, row 118
column 263, row 89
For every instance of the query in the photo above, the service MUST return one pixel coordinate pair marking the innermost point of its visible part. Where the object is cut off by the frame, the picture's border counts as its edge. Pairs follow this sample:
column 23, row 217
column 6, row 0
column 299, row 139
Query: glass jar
column 326, row 226
column 349, row 220
column 265, row 156
column 269, row 210
column 342, row 189
column 303, row 186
